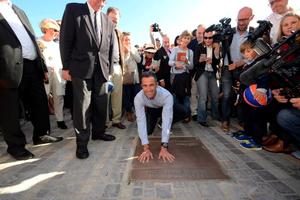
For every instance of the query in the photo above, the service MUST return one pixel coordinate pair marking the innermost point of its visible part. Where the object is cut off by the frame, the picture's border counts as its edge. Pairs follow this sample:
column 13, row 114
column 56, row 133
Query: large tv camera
column 283, row 66
column 223, row 30
column 263, row 29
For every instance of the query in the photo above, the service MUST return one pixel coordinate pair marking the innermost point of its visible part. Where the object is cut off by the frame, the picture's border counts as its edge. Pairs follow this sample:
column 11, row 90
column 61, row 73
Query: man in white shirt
column 151, row 103
column 22, row 74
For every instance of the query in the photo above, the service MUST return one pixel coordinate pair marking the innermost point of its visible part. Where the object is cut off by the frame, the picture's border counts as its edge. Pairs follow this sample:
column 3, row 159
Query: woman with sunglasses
column 207, row 57
column 50, row 50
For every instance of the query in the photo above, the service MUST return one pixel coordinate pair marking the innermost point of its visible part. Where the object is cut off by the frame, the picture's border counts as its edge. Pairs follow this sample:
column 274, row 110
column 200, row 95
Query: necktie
column 96, row 26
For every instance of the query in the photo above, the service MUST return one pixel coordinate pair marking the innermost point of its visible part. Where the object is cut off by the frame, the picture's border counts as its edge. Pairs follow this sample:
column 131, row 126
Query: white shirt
column 209, row 54
column 164, row 99
column 28, row 48
column 275, row 19
column 92, row 14
column 235, row 52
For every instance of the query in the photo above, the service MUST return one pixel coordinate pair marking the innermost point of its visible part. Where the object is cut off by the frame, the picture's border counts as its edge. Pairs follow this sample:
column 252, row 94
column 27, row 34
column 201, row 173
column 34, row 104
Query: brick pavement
column 55, row 173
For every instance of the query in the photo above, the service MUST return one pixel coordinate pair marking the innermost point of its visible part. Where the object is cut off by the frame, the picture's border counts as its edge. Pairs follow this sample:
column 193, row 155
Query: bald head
column 245, row 11
column 245, row 15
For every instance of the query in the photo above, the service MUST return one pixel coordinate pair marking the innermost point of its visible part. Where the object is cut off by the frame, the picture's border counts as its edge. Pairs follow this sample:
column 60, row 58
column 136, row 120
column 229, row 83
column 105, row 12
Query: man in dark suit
column 22, row 76
column 86, row 43
column 162, row 55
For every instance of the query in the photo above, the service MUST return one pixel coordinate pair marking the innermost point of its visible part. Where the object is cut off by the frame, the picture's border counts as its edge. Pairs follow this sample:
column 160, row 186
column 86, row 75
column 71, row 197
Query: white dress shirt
column 28, row 48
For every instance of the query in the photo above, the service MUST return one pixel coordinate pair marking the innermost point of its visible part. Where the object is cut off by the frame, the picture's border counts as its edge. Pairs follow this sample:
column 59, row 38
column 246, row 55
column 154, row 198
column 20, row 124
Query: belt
column 25, row 60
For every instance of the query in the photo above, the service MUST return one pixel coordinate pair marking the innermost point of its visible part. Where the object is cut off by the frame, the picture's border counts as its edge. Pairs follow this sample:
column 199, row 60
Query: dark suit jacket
column 200, row 66
column 11, row 59
column 78, row 45
column 164, row 68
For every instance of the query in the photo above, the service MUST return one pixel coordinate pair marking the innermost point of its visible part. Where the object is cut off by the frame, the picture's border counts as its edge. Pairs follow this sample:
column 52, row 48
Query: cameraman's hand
column 278, row 97
column 231, row 66
column 165, row 155
column 295, row 102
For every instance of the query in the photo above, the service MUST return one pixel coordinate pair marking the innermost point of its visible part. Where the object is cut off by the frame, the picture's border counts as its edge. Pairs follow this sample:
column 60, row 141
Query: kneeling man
column 151, row 103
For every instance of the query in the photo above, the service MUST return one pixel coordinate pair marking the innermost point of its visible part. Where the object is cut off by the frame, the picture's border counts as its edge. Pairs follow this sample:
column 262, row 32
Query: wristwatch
column 164, row 145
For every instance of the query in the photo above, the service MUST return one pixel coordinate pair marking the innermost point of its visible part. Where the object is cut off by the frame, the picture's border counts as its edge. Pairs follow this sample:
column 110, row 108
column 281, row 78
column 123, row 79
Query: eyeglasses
column 242, row 19
column 208, row 38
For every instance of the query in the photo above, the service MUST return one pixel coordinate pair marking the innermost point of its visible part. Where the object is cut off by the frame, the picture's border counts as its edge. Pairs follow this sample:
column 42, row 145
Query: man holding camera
column 156, row 42
column 233, row 60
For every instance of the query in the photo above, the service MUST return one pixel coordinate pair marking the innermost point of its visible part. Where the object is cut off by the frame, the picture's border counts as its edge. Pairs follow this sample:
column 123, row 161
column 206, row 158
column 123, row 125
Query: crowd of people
column 86, row 63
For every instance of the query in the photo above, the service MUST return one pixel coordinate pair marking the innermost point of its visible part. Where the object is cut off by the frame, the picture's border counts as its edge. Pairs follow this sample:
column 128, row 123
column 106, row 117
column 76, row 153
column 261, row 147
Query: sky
column 173, row 16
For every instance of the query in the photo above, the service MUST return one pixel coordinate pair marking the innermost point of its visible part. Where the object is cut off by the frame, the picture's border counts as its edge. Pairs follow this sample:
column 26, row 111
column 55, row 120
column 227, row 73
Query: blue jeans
column 206, row 81
column 129, row 92
column 226, row 81
column 289, row 120
column 186, row 104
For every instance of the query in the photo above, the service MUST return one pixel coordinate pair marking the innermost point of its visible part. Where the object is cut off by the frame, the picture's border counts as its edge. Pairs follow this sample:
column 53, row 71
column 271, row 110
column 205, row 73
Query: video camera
column 263, row 29
column 223, row 30
column 277, row 64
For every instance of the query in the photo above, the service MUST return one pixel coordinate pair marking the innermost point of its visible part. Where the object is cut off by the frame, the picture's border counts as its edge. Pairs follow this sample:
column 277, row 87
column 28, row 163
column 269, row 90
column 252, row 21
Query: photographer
column 233, row 60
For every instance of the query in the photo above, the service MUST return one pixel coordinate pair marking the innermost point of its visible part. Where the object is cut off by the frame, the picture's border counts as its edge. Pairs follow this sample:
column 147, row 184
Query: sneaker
column 48, row 139
column 296, row 154
column 241, row 137
column 250, row 145
column 225, row 126
column 237, row 133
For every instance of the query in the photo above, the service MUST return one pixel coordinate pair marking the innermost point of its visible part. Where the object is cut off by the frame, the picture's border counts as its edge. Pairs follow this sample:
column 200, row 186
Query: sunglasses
column 208, row 38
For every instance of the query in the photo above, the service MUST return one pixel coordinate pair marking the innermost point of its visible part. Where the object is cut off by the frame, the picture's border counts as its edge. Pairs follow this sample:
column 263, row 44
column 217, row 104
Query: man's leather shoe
column 269, row 140
column 225, row 126
column 205, row 124
column 22, row 154
column 82, row 153
column 278, row 147
column 119, row 125
column 105, row 137
column 194, row 117
column 47, row 139
column 61, row 125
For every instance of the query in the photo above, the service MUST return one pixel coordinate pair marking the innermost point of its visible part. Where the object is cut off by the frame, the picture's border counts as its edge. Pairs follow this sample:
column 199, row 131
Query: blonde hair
column 246, row 45
column 185, row 34
column 290, row 14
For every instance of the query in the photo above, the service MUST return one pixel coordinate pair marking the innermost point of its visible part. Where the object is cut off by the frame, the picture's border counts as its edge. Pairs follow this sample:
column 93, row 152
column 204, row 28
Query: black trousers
column 31, row 93
column 153, row 114
column 89, row 107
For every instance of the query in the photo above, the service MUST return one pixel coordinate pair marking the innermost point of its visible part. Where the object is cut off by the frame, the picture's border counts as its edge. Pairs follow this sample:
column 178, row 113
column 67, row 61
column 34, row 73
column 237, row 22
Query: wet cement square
column 193, row 162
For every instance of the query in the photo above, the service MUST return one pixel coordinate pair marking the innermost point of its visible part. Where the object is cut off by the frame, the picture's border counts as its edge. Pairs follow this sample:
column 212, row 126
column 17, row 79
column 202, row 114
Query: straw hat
column 150, row 48
column 49, row 24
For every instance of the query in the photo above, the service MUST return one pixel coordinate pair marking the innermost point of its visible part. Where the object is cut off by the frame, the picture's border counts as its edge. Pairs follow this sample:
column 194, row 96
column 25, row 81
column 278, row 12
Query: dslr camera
column 155, row 27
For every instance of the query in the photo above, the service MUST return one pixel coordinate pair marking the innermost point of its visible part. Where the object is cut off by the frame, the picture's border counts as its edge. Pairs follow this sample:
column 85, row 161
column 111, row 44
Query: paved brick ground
column 55, row 173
